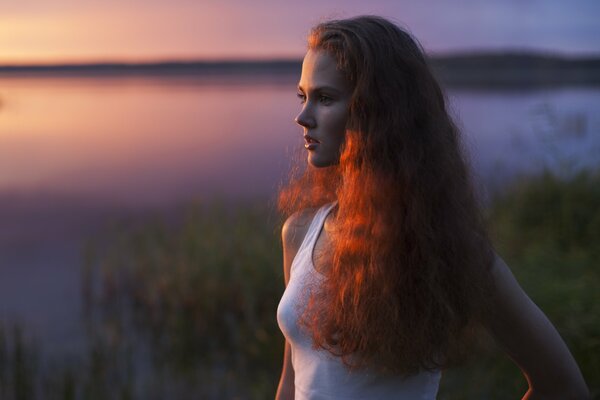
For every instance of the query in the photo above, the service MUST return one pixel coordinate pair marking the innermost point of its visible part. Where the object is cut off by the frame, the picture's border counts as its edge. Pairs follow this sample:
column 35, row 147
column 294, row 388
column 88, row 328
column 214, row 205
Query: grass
column 18, row 361
column 201, row 295
column 180, row 310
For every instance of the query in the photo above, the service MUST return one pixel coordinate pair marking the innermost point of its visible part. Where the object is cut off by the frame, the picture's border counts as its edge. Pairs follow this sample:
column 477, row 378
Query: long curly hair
column 410, row 272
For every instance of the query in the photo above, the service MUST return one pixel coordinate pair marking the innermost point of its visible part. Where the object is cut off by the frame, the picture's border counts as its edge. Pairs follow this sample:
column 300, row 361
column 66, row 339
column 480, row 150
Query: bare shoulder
column 292, row 234
column 295, row 227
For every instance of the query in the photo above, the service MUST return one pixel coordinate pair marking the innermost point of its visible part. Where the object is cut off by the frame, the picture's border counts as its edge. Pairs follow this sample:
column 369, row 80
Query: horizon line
column 285, row 59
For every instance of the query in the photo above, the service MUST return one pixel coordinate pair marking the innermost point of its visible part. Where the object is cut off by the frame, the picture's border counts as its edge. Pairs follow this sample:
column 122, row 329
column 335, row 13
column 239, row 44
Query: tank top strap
column 316, row 225
column 311, row 235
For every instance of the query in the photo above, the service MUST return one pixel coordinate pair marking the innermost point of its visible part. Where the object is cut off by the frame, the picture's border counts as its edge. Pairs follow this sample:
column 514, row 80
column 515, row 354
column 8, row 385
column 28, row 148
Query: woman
column 388, row 268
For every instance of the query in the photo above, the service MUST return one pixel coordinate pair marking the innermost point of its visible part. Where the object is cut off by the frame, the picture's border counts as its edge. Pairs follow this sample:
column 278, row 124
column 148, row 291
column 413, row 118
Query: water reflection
column 514, row 133
column 139, row 141
column 142, row 141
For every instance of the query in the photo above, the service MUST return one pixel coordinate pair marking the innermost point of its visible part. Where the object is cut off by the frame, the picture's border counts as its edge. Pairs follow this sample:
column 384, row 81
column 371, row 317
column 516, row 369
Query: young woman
column 387, row 265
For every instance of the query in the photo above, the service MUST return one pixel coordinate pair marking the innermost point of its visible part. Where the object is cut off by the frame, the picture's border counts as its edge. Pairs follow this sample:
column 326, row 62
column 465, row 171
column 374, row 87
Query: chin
column 318, row 162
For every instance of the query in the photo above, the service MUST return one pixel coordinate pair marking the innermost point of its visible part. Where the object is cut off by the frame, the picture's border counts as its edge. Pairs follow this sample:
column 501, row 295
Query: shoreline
column 486, row 70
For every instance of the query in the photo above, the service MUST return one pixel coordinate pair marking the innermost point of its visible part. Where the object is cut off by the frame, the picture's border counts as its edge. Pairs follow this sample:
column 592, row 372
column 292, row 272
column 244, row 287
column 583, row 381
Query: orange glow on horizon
column 72, row 31
column 136, row 35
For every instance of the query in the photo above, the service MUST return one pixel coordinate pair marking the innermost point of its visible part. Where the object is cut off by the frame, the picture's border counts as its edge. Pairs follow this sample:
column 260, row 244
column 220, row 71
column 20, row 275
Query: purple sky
column 64, row 30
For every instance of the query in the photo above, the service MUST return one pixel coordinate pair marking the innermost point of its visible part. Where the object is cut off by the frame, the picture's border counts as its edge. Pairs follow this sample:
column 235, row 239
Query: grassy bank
column 187, row 310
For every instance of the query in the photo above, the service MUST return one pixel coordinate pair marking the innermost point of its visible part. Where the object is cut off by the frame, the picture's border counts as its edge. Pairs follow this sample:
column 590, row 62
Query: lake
column 78, row 151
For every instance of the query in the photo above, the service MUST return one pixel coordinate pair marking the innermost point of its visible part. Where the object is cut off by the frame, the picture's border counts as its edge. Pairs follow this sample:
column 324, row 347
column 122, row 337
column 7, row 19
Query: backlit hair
column 410, row 272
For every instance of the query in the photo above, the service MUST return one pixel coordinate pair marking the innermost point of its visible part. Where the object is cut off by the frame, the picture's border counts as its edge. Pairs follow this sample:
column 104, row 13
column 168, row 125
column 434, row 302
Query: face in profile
column 325, row 96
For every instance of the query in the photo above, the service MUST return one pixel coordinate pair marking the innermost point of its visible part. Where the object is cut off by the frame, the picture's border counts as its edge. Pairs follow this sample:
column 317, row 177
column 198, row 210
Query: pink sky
column 38, row 31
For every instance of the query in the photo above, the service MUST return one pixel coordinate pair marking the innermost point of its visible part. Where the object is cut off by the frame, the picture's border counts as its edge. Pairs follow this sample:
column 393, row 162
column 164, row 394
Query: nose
column 305, row 118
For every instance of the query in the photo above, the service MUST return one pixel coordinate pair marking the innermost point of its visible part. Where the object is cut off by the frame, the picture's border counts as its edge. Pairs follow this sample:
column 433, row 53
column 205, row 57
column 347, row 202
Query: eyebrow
column 322, row 89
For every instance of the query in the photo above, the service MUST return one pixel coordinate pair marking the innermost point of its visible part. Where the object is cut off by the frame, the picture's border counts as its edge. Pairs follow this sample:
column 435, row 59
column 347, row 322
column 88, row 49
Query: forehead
column 320, row 69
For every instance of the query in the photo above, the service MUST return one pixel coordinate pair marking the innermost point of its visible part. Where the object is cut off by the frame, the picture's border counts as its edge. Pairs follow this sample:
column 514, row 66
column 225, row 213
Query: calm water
column 76, row 151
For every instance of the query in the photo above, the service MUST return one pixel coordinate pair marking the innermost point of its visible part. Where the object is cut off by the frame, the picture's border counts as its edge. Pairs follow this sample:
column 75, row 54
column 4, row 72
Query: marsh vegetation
column 186, row 309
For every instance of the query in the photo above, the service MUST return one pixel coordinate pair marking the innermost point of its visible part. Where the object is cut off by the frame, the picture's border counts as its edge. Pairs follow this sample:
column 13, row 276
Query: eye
column 302, row 97
column 325, row 99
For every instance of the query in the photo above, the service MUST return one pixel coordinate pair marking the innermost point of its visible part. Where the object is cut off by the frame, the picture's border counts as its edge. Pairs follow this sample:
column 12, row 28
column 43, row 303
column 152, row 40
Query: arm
column 292, row 234
column 530, row 339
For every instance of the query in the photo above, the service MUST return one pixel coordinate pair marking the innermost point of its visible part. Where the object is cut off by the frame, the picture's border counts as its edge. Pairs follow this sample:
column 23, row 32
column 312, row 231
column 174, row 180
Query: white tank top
column 318, row 375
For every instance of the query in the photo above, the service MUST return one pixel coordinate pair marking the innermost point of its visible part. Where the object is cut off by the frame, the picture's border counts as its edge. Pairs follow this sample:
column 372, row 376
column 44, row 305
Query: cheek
column 337, row 123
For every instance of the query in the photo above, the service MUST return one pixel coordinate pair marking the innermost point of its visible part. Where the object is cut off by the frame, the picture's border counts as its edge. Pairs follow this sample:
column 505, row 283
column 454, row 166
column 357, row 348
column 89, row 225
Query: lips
column 310, row 139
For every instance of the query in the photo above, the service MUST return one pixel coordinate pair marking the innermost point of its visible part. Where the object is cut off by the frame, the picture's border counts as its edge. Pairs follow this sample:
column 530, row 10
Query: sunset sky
column 44, row 31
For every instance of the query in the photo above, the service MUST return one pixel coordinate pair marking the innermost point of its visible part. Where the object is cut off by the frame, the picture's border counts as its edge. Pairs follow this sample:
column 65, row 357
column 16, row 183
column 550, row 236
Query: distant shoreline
column 523, row 70
column 463, row 70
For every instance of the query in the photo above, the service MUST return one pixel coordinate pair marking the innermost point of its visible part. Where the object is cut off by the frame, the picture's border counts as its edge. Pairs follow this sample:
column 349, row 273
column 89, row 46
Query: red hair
column 410, row 272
